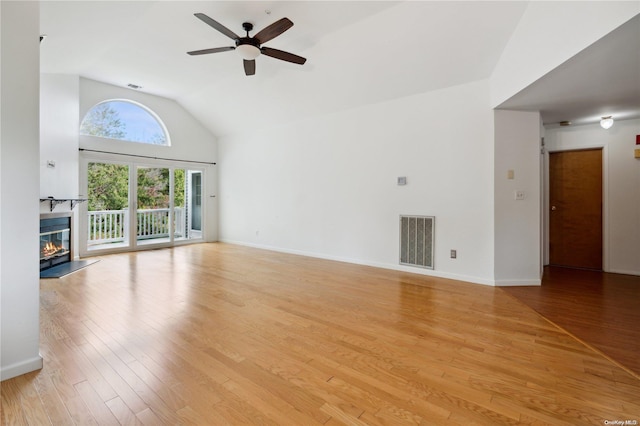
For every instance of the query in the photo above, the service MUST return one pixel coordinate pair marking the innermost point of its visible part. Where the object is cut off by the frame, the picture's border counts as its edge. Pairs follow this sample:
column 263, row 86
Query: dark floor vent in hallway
column 416, row 241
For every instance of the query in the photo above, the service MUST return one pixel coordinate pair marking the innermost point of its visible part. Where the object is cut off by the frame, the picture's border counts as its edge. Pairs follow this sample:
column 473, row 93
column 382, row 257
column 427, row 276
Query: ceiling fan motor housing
column 248, row 40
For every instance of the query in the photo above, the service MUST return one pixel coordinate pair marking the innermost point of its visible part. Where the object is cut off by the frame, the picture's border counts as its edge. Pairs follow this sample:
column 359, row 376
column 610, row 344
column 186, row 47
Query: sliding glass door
column 166, row 206
column 153, row 206
column 188, row 204
column 107, row 205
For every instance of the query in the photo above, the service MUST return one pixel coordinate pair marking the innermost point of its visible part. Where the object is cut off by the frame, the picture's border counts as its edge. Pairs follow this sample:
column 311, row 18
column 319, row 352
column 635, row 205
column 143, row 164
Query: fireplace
column 55, row 240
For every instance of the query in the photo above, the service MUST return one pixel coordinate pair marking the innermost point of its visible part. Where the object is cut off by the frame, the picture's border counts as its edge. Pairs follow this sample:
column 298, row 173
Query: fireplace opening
column 55, row 241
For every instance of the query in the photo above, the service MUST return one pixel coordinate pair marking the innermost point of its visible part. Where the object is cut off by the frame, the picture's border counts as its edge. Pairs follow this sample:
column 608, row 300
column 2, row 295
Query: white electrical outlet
column 519, row 194
column 454, row 254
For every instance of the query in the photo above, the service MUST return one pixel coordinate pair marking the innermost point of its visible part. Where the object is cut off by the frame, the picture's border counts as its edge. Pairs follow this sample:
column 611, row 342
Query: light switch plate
column 402, row 180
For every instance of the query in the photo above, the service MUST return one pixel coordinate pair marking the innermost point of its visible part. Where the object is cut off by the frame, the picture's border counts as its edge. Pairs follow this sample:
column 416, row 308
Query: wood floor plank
column 124, row 415
column 211, row 334
column 91, row 374
column 171, row 399
column 72, row 401
column 148, row 418
column 12, row 407
column 122, row 388
column 53, row 404
column 65, row 361
column 32, row 406
column 273, row 407
column 340, row 416
column 96, row 405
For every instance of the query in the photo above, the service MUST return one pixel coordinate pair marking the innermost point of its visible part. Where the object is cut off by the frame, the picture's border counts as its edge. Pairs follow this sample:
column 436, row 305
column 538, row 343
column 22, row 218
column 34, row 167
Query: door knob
column 553, row 208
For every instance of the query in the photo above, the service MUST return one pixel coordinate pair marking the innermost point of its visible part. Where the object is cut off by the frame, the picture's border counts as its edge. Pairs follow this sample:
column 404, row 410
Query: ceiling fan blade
column 273, row 30
column 214, row 50
column 282, row 55
column 217, row 25
column 249, row 67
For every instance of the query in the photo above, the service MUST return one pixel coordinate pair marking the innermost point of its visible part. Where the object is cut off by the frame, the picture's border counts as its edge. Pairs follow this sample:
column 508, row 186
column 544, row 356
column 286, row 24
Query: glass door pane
column 180, row 194
column 196, row 201
column 108, row 206
column 153, row 207
column 187, row 204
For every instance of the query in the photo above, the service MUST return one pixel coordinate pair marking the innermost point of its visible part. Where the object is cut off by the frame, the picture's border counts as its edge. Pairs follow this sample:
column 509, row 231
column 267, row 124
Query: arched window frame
column 155, row 116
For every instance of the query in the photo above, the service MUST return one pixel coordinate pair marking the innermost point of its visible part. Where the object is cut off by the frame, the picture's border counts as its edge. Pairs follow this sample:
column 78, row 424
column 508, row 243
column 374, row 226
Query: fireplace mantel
column 53, row 202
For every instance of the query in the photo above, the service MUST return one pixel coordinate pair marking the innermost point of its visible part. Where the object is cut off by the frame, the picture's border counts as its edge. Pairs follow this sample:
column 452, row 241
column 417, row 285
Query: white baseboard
column 20, row 368
column 517, row 283
column 420, row 271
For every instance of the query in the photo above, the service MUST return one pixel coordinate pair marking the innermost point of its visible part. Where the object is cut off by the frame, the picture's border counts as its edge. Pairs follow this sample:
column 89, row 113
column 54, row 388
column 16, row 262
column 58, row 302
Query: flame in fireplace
column 50, row 249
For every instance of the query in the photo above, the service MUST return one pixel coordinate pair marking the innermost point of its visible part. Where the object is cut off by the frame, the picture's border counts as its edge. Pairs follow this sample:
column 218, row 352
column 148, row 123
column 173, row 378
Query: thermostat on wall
column 402, row 180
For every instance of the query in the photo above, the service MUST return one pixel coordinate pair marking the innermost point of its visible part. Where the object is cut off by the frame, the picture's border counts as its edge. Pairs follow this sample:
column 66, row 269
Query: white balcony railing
column 111, row 226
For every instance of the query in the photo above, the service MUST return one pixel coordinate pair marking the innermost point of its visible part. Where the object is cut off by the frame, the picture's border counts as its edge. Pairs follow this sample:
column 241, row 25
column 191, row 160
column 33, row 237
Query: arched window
column 124, row 120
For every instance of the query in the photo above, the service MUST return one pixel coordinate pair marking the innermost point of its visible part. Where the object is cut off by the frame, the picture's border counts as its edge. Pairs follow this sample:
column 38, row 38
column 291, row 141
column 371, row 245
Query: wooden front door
column 575, row 199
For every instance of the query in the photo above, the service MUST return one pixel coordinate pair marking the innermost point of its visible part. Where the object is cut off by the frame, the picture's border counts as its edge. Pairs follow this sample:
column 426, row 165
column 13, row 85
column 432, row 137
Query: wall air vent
column 416, row 241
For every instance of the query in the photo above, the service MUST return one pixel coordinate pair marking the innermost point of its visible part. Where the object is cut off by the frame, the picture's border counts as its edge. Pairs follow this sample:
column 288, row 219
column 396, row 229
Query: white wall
column 19, row 284
column 549, row 33
column 326, row 186
column 621, row 176
column 518, row 224
column 190, row 140
column 59, row 124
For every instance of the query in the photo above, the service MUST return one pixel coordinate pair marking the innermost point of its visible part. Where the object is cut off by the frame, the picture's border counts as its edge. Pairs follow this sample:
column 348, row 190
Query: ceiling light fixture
column 248, row 51
column 606, row 122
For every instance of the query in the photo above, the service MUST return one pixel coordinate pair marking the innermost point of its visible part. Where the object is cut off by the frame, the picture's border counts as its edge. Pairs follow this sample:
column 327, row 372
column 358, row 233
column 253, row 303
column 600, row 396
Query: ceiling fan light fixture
column 249, row 47
column 606, row 122
column 248, row 51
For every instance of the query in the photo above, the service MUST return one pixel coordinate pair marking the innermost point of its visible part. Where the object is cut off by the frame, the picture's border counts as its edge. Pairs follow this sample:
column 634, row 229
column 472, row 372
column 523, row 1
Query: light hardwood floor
column 214, row 334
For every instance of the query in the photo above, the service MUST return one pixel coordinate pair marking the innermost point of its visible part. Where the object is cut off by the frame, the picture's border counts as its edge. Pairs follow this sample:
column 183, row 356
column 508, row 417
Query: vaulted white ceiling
column 358, row 52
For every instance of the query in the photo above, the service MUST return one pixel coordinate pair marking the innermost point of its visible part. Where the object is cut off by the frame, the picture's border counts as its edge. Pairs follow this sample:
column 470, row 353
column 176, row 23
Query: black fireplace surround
column 55, row 241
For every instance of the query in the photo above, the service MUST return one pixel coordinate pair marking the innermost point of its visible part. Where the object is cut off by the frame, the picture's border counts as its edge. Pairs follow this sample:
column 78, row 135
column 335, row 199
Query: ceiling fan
column 251, row 47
